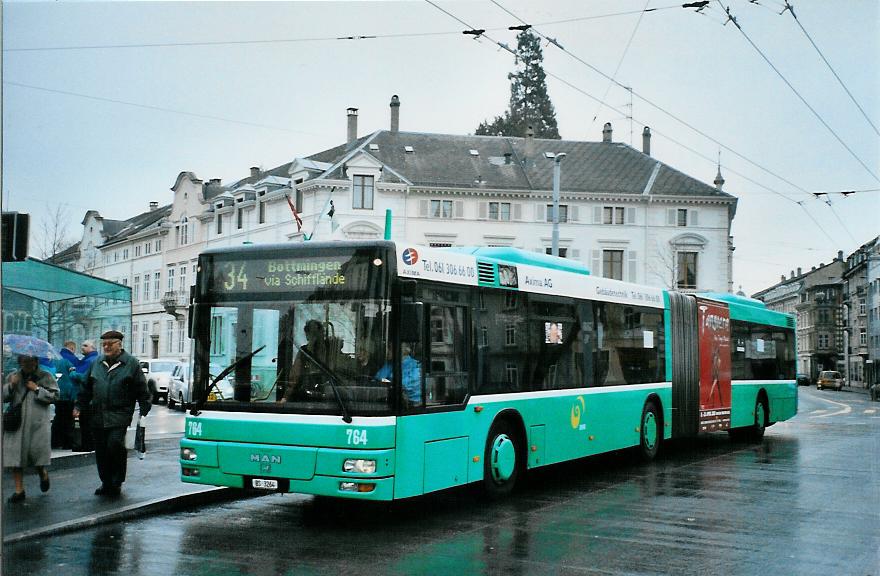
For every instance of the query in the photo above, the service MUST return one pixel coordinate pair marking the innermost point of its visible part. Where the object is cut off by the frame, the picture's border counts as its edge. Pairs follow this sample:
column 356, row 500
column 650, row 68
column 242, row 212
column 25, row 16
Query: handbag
column 12, row 416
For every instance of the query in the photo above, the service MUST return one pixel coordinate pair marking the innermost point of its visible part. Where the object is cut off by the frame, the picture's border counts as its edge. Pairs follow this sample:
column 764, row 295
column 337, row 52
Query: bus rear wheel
column 501, row 464
column 756, row 431
column 651, row 432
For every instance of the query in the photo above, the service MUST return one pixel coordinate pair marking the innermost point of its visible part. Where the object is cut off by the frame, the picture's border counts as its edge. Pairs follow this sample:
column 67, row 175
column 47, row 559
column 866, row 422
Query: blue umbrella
column 22, row 345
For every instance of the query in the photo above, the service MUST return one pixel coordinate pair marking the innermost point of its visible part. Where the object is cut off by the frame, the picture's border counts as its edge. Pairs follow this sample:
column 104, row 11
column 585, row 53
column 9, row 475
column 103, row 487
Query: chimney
column 154, row 206
column 606, row 132
column 352, row 124
column 217, row 180
column 507, row 156
column 813, row 269
column 255, row 171
column 646, row 141
column 799, row 270
column 395, row 114
column 782, row 279
column 792, row 274
column 530, row 144
column 840, row 255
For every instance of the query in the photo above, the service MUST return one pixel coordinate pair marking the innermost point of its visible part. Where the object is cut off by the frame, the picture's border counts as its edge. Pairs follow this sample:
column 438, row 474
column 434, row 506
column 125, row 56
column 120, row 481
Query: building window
column 512, row 373
column 863, row 336
column 169, row 336
column 510, row 334
column 157, row 281
column 137, row 251
column 148, row 248
column 299, row 199
column 861, row 307
column 441, row 209
column 145, row 328
column 181, row 233
column 146, row 287
column 499, row 210
column 125, row 253
column 219, row 224
column 170, row 276
column 261, row 210
column 563, row 252
column 823, row 340
column 158, row 246
column 612, row 264
column 134, row 337
column 362, row 190
column 681, row 218
column 686, row 277
column 613, row 215
column 239, row 218
column 181, row 336
column 136, row 289
column 181, row 281
column 563, row 213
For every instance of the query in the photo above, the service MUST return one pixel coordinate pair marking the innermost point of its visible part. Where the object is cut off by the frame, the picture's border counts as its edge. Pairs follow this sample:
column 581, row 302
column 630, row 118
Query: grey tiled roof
column 119, row 230
column 445, row 160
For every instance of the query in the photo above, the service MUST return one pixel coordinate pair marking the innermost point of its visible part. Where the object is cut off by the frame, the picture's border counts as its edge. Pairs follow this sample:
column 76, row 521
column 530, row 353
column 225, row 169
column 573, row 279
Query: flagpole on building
column 321, row 214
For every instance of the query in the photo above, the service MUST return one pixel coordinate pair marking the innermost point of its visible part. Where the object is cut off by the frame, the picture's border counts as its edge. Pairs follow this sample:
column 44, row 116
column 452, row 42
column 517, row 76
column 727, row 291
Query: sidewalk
column 152, row 486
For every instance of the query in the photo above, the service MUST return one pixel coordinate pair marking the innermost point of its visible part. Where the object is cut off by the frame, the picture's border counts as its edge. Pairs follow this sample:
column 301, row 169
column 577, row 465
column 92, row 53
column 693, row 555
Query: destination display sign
column 256, row 275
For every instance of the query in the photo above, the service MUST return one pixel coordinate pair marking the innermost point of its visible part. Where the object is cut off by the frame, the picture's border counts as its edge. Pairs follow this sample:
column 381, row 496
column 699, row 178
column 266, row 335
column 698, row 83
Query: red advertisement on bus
column 715, row 394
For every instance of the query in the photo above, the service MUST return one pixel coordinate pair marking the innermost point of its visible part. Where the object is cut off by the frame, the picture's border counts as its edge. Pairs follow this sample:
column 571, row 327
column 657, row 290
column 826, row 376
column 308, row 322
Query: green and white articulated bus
column 378, row 371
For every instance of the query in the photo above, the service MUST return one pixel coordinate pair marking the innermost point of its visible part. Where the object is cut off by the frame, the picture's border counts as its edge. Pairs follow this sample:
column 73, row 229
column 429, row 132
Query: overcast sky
column 97, row 116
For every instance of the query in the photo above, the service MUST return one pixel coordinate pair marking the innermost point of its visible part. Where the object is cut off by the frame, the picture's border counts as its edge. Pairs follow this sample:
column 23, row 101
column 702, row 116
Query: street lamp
column 557, row 158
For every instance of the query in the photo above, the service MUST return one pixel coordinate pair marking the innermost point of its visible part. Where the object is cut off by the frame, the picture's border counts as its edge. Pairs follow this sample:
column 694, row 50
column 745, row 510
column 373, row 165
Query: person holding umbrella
column 113, row 384
column 35, row 390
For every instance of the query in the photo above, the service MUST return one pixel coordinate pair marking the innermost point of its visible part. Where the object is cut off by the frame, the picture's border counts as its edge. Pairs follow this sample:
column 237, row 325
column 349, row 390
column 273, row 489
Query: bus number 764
column 356, row 436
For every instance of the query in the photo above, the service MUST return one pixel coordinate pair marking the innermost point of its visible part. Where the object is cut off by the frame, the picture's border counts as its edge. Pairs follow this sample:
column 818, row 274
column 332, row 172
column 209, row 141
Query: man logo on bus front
column 410, row 256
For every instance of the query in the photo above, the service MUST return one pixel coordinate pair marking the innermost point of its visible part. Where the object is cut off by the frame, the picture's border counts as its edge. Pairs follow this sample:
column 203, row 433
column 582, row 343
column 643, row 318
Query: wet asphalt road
column 806, row 501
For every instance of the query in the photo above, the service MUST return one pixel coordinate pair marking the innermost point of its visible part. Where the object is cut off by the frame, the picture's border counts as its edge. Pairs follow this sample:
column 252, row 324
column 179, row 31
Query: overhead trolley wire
column 798, row 94
column 566, row 82
column 660, row 109
column 790, row 8
column 156, row 108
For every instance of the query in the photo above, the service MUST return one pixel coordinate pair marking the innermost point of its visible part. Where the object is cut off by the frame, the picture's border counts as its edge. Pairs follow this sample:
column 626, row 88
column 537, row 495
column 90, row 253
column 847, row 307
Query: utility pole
column 557, row 158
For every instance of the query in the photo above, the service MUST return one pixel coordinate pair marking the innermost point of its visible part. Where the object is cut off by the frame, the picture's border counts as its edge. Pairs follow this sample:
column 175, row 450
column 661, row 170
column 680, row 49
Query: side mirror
column 412, row 316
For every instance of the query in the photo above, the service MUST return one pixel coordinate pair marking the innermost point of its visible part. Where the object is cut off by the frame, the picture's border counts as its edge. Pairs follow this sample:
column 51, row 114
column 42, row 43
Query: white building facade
column 622, row 213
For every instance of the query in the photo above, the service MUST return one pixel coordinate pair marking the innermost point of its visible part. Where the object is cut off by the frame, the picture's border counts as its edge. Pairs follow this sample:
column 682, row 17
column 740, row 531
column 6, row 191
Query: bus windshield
column 303, row 335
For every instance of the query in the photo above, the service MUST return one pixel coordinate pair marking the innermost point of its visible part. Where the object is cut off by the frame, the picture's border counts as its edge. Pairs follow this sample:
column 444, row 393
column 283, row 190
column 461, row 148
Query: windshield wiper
column 197, row 408
column 334, row 380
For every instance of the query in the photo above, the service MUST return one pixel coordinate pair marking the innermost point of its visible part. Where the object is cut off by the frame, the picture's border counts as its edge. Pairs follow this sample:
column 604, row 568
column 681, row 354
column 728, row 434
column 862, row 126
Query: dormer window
column 362, row 192
column 475, row 152
column 409, row 149
column 374, row 146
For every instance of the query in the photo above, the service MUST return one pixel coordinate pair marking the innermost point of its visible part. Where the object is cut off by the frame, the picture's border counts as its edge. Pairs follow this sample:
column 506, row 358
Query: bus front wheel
column 651, row 432
column 501, row 465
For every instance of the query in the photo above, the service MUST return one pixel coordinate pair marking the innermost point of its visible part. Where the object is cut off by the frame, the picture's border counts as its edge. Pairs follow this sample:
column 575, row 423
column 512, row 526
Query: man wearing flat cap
column 112, row 386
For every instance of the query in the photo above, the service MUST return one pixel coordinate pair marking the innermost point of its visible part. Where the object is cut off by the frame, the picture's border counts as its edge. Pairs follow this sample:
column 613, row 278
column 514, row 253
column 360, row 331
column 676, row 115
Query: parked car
column 224, row 388
column 829, row 379
column 158, row 372
column 803, row 380
column 180, row 389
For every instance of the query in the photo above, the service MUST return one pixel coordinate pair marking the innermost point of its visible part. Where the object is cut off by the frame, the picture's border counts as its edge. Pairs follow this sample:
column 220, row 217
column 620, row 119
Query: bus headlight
column 359, row 466
column 188, row 454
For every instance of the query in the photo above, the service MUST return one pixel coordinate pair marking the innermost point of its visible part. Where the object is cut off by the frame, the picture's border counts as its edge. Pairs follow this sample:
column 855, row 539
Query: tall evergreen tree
column 530, row 104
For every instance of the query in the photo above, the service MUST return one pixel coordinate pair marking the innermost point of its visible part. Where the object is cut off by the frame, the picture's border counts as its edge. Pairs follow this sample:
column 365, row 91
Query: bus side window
column 446, row 376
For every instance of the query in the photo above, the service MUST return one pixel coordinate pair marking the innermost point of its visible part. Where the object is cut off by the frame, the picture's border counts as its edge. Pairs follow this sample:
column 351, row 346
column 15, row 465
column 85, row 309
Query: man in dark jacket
column 114, row 382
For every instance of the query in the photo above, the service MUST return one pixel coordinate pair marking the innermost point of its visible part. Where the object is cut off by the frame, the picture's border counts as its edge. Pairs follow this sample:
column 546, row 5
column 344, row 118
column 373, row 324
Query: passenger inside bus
column 412, row 373
column 305, row 376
